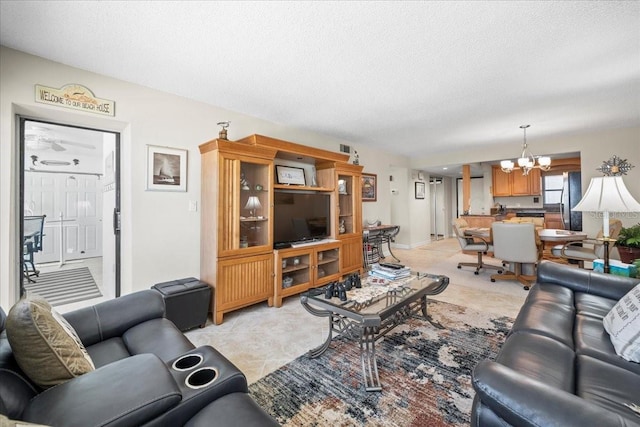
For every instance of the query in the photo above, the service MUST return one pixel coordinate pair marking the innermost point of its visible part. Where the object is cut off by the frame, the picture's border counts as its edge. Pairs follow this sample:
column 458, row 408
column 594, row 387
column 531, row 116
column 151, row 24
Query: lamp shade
column 607, row 194
column 253, row 203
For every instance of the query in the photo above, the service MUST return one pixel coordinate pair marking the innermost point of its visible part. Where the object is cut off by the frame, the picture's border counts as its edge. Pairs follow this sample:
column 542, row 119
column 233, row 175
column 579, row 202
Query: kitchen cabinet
column 515, row 183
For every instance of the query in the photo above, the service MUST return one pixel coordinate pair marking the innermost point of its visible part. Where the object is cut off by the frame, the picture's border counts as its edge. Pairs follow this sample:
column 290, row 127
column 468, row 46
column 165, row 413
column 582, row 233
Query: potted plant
column 628, row 243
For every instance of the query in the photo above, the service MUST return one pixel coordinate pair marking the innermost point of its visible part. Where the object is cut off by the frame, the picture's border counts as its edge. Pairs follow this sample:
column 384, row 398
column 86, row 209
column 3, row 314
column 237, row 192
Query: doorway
column 438, row 225
column 70, row 179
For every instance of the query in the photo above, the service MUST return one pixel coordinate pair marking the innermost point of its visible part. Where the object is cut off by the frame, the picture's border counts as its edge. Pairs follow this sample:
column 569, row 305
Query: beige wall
column 160, row 238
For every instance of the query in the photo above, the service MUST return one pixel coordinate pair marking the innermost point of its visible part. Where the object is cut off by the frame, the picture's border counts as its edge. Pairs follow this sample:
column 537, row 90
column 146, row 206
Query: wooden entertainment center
column 237, row 255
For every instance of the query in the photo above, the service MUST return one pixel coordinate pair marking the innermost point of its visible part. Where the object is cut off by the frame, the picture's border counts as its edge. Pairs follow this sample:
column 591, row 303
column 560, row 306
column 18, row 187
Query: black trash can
column 186, row 302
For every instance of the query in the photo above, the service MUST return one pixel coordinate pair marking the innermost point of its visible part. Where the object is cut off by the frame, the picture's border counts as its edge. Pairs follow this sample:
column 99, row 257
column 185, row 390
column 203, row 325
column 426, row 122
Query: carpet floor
column 66, row 286
column 425, row 373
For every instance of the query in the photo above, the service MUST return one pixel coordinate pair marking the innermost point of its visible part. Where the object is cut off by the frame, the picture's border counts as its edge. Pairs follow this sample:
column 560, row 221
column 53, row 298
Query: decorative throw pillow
column 44, row 344
column 4, row 421
column 623, row 325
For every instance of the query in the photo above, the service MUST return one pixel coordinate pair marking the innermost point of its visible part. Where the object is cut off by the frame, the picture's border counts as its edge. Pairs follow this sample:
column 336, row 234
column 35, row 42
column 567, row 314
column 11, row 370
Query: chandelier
column 526, row 161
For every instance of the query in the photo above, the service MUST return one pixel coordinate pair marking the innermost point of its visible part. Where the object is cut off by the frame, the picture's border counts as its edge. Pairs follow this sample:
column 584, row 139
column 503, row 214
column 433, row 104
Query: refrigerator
column 570, row 196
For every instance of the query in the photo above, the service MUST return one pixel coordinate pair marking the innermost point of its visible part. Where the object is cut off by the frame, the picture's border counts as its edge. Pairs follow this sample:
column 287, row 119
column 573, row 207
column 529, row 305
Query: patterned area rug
column 65, row 286
column 425, row 373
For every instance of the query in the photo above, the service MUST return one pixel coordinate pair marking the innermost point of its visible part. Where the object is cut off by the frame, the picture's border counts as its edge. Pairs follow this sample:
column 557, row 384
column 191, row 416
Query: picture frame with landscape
column 166, row 169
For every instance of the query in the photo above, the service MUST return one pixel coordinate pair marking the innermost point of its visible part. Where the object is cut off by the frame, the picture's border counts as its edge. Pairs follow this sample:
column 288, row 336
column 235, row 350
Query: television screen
column 300, row 216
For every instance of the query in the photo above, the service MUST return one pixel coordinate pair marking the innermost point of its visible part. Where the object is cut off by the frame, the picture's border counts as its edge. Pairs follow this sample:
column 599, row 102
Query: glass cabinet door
column 244, row 205
column 254, row 205
column 345, row 202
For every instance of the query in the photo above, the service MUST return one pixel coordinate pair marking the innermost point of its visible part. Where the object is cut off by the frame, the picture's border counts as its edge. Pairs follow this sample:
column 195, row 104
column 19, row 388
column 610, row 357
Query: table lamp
column 252, row 204
column 607, row 194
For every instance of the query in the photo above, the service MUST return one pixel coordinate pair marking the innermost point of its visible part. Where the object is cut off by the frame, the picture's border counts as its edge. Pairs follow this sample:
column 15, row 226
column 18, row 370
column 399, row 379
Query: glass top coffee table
column 371, row 311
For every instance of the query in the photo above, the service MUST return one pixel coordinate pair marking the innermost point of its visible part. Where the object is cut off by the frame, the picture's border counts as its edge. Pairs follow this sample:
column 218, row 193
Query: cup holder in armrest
column 188, row 361
column 201, row 377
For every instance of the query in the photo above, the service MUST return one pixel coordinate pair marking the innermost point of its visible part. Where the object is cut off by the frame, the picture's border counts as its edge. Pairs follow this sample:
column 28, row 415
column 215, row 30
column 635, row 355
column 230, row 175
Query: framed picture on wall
column 369, row 187
column 420, row 190
column 290, row 175
column 166, row 169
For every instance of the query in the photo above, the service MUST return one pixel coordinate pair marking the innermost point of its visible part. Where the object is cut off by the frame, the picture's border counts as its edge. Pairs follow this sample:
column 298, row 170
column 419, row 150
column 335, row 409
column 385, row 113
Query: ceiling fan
column 40, row 138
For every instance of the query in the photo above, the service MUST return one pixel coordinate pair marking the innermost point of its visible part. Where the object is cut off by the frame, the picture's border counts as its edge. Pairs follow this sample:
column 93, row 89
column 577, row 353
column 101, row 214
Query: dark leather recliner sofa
column 147, row 374
column 557, row 366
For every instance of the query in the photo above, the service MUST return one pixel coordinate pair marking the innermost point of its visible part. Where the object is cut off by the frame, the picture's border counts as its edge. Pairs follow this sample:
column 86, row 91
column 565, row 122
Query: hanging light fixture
column 526, row 161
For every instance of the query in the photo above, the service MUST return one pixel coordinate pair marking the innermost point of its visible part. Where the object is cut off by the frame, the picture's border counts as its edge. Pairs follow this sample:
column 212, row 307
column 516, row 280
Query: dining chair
column 519, row 245
column 32, row 232
column 477, row 244
column 386, row 238
column 589, row 249
column 370, row 247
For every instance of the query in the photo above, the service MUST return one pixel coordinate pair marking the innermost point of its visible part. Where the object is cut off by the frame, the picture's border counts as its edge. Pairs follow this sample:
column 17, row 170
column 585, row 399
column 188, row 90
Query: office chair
column 594, row 249
column 470, row 244
column 517, row 244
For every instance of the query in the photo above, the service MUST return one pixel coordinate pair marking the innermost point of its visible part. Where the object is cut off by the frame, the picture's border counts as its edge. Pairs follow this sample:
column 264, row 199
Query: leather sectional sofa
column 147, row 373
column 557, row 366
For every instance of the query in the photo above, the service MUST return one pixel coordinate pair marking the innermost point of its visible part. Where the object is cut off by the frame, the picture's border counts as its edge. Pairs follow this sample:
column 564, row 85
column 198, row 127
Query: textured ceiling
column 410, row 77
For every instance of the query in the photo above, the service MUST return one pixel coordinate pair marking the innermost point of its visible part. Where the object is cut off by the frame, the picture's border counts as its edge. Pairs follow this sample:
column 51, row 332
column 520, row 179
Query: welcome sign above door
column 75, row 96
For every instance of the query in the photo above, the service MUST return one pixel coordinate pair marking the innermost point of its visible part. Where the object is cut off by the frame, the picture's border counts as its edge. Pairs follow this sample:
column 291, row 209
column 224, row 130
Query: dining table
column 481, row 232
column 558, row 235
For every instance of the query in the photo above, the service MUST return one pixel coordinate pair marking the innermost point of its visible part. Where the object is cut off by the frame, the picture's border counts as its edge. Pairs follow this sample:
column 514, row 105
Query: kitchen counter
column 482, row 221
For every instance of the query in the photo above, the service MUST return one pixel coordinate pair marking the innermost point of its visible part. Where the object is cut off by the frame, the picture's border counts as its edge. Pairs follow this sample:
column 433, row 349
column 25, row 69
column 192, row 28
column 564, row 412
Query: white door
column 73, row 206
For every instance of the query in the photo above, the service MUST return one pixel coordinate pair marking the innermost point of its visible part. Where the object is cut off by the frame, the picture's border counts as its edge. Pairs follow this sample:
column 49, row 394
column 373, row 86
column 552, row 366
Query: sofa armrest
column 114, row 317
column 522, row 401
column 129, row 392
column 580, row 280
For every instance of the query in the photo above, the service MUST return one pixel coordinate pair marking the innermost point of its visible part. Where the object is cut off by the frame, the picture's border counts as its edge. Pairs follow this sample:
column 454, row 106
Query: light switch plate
column 193, row 206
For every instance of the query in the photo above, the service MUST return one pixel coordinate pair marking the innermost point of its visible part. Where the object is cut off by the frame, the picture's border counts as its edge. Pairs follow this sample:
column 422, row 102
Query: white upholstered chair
column 517, row 244
column 479, row 245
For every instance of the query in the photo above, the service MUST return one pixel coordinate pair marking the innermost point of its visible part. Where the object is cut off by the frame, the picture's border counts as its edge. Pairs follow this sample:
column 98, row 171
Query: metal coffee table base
column 369, row 329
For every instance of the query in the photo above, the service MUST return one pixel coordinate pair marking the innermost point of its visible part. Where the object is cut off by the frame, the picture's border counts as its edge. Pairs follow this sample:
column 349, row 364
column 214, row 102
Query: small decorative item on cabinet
column 243, row 242
column 342, row 228
column 296, row 261
column 243, row 182
column 258, row 187
column 320, row 256
column 223, row 132
column 342, row 186
column 287, row 281
column 284, row 263
column 321, row 272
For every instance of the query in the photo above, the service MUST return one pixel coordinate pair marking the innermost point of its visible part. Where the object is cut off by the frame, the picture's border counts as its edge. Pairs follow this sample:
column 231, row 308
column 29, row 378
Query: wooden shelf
column 253, row 219
column 301, row 188
column 290, row 269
